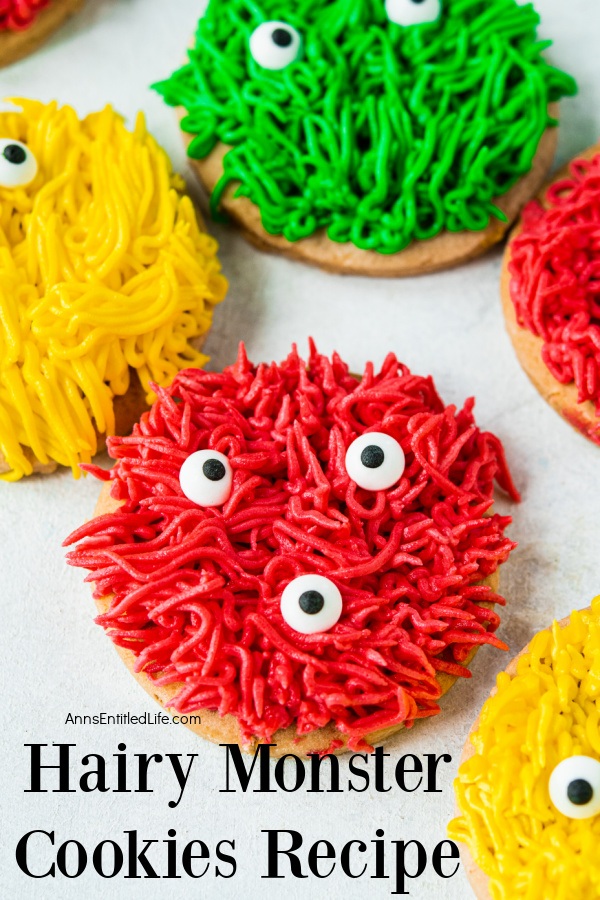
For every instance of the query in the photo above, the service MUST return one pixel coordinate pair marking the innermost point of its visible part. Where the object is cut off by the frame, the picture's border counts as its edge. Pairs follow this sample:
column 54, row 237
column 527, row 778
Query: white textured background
column 55, row 660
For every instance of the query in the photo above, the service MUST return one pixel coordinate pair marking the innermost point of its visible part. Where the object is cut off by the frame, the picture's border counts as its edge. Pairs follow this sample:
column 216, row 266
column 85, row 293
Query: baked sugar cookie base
column 562, row 397
column 441, row 252
column 15, row 45
column 225, row 729
column 478, row 880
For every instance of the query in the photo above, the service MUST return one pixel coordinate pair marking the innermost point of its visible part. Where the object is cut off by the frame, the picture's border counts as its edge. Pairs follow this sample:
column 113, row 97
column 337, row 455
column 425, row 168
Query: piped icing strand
column 379, row 133
column 196, row 591
column 103, row 270
column 547, row 713
column 555, row 283
column 17, row 15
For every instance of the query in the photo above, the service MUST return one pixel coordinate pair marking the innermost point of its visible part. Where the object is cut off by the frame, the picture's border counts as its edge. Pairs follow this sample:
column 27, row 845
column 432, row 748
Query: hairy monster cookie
column 385, row 137
column 25, row 24
column 107, row 282
column 528, row 789
column 304, row 557
column 550, row 293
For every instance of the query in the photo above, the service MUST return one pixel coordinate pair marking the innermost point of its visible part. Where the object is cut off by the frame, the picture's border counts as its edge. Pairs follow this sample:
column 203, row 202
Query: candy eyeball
column 413, row 12
column 18, row 165
column 375, row 461
column 206, row 478
column 274, row 45
column 311, row 604
column 575, row 787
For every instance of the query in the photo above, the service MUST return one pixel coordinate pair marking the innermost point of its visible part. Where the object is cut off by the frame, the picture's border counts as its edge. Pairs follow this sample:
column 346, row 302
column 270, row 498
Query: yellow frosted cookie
column 107, row 282
column 528, row 789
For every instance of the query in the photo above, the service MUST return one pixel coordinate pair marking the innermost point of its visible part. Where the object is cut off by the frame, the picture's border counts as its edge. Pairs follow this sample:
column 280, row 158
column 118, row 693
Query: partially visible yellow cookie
column 107, row 282
column 528, row 788
column 15, row 43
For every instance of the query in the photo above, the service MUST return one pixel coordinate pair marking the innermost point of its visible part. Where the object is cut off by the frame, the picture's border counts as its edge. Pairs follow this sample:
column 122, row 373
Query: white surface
column 55, row 660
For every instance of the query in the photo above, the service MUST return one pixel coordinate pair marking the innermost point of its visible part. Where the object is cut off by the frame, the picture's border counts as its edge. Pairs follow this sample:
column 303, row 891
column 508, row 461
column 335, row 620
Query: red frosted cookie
column 25, row 24
column 306, row 557
column 551, row 293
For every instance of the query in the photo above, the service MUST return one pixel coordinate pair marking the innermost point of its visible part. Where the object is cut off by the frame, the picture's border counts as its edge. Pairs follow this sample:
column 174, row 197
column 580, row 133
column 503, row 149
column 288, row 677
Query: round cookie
column 548, row 276
column 26, row 24
column 517, row 843
column 107, row 282
column 364, row 142
column 194, row 595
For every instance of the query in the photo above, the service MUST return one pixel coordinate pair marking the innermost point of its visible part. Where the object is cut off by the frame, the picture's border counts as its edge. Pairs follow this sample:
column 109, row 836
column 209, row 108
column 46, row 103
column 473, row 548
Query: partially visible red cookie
column 17, row 42
column 550, row 293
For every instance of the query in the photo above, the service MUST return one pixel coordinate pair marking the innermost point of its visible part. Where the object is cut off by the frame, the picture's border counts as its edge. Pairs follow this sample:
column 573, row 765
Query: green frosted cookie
column 382, row 123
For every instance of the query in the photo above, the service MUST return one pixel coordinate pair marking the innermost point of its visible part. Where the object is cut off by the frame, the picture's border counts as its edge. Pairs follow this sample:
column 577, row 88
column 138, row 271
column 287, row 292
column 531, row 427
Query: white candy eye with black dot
column 413, row 12
column 18, row 165
column 206, row 478
column 575, row 787
column 274, row 45
column 311, row 604
column 375, row 461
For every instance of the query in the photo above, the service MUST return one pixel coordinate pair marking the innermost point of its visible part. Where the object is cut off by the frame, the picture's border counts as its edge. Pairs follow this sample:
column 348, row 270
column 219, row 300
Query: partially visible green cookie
column 378, row 136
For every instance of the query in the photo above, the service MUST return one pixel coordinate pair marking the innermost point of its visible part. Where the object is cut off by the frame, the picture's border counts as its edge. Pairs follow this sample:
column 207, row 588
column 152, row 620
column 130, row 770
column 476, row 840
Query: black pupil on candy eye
column 311, row 602
column 214, row 469
column 372, row 457
column 580, row 792
column 281, row 37
column 14, row 154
